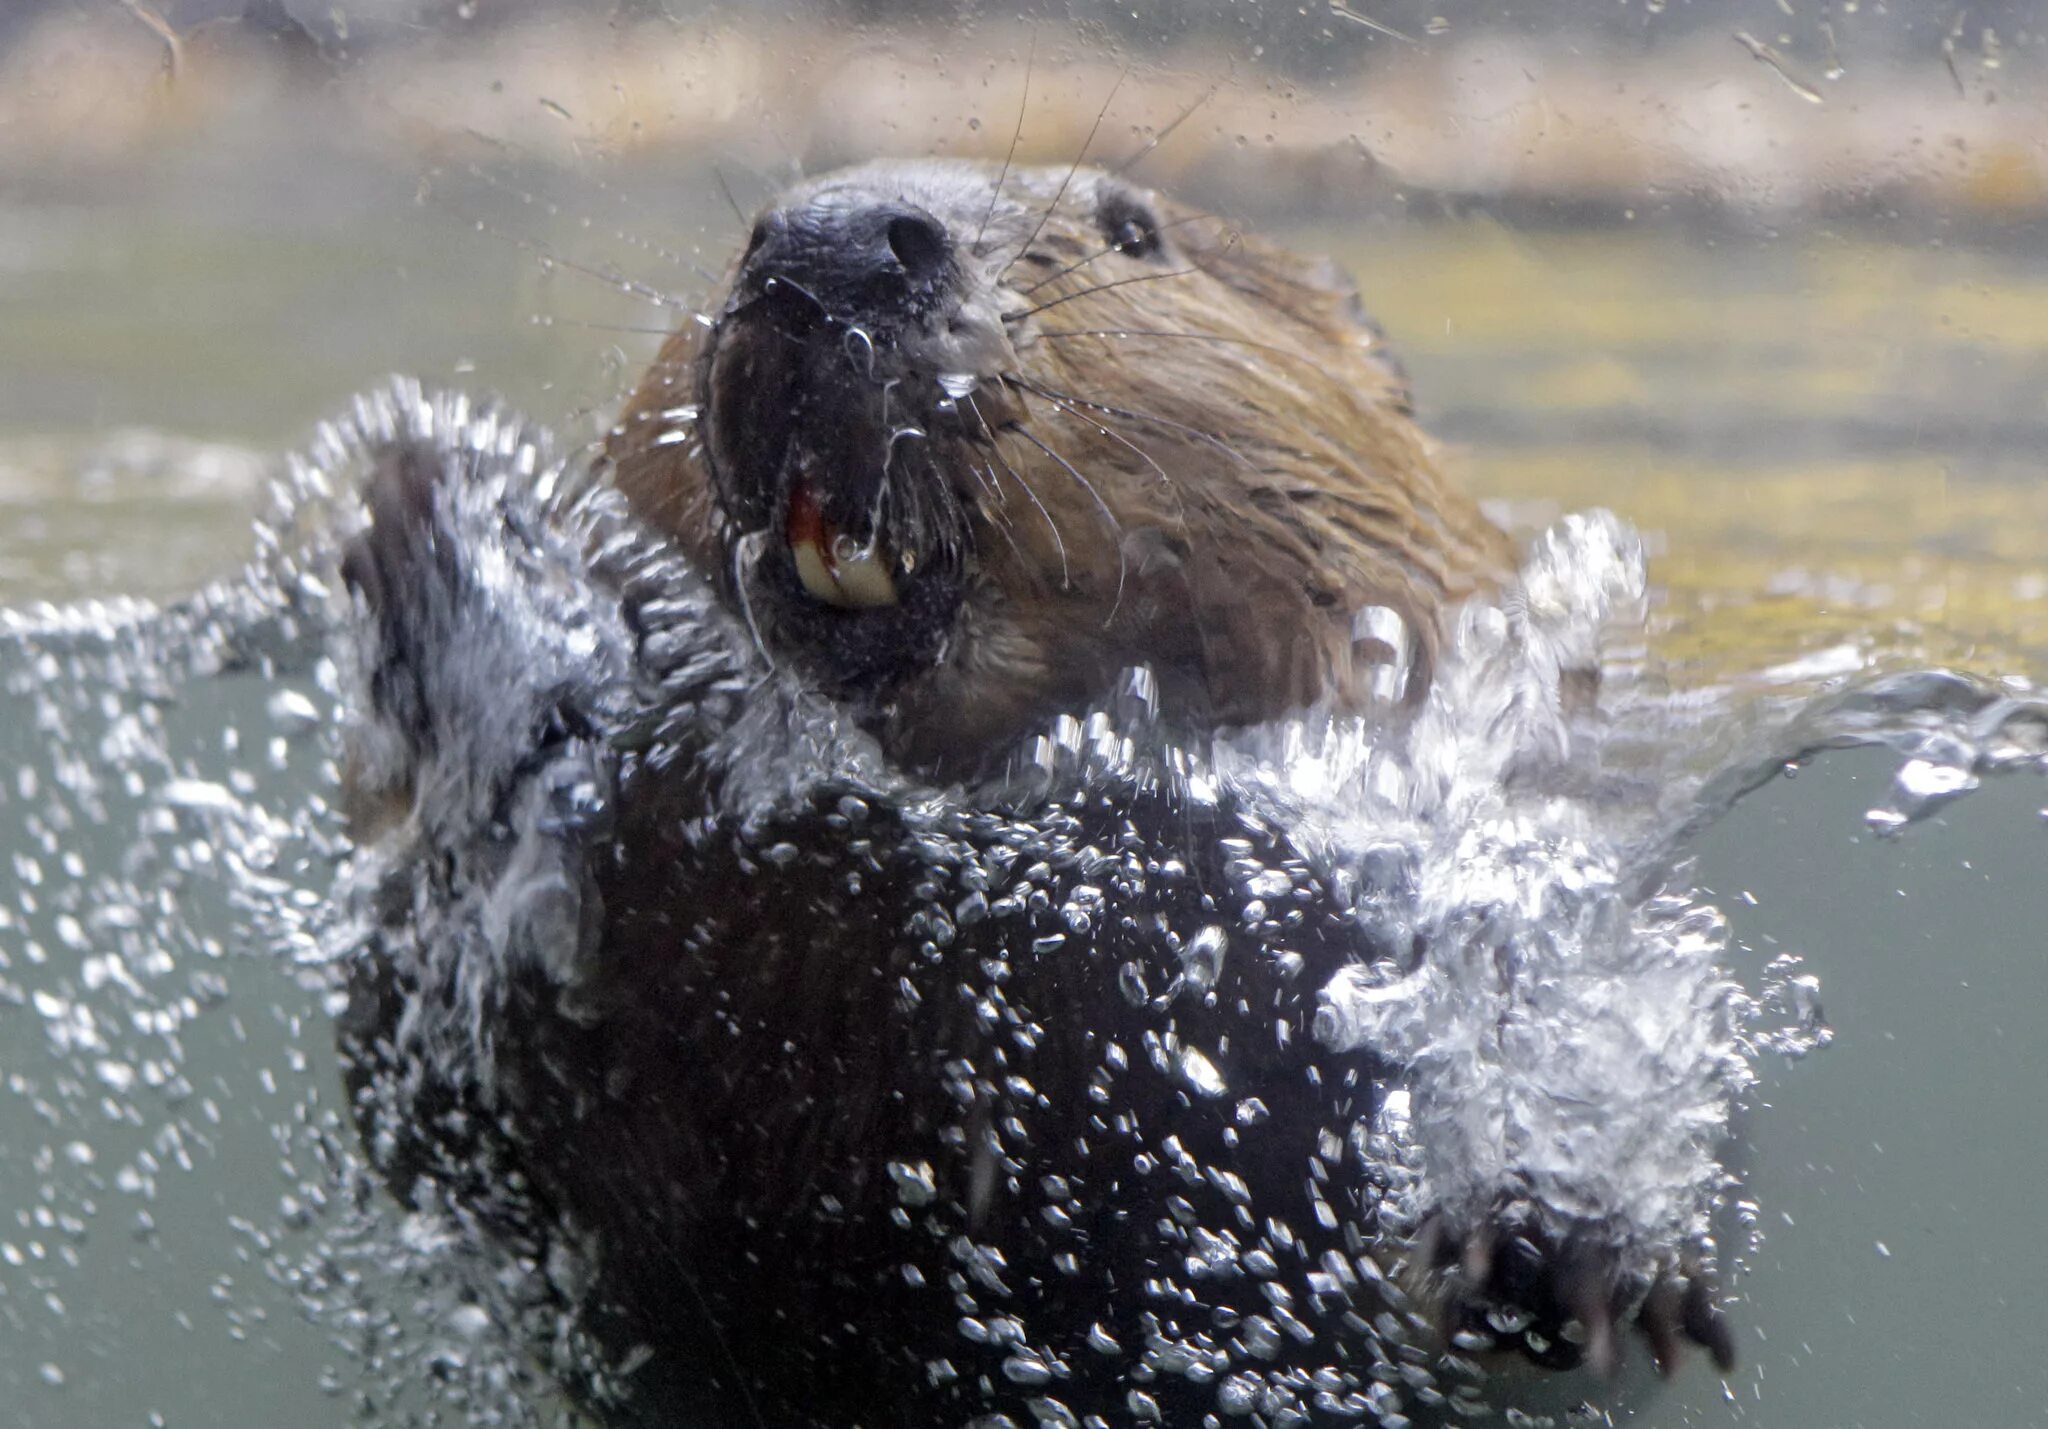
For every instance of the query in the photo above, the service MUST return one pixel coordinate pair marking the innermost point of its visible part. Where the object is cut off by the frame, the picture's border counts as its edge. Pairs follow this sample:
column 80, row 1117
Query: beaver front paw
column 1554, row 1289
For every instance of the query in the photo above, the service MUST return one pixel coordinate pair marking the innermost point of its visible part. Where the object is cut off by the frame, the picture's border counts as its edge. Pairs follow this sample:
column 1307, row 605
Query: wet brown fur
column 1246, row 474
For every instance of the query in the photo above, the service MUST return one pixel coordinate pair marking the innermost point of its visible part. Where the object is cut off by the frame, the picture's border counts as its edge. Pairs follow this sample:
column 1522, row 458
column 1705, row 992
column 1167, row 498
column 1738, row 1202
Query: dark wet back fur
column 870, row 1107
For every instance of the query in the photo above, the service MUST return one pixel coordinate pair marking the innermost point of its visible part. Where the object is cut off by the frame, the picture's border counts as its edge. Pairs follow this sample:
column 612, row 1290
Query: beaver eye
column 1129, row 227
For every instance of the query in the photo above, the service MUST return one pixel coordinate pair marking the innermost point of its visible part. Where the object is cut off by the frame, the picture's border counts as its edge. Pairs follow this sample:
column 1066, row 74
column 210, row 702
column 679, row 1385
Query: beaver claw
column 1556, row 1293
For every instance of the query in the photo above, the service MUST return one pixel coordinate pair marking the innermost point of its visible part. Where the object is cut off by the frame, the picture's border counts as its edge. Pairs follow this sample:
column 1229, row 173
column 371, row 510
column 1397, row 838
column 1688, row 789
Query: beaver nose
column 847, row 252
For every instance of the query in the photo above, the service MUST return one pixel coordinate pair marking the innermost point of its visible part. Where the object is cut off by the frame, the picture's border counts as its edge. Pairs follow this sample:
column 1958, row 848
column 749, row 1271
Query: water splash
column 1517, row 961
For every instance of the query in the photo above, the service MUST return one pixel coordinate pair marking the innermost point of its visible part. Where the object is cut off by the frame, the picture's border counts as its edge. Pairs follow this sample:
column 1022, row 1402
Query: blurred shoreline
column 1560, row 128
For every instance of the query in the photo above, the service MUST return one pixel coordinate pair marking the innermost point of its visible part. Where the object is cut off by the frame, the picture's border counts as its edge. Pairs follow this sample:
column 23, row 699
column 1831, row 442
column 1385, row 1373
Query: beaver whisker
column 1122, row 559
column 985, row 478
column 997, row 515
column 608, row 275
column 878, row 509
column 1068, row 409
column 1161, row 137
column 632, row 329
column 1075, row 266
column 777, row 281
column 914, row 522
column 1101, row 253
column 1053, row 394
column 888, row 392
column 996, row 451
column 1068, row 178
column 898, row 434
column 739, row 214
column 592, row 193
column 541, row 250
column 1188, row 271
column 1165, row 481
column 999, row 511
column 995, row 194
column 746, row 554
column 1300, row 357
column 1059, row 542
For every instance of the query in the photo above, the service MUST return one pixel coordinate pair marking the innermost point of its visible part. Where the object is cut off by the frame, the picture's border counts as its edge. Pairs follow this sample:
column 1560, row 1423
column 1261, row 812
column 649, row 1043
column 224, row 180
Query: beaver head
column 966, row 443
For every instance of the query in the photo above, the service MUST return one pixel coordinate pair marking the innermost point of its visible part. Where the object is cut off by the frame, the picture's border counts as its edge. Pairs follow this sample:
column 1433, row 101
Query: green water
column 1828, row 437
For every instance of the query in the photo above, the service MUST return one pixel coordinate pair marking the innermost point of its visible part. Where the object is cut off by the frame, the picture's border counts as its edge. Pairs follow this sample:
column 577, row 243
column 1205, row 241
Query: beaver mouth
column 834, row 455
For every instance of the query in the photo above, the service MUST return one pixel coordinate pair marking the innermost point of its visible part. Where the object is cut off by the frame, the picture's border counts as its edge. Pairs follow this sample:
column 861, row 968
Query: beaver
column 801, row 920
column 968, row 451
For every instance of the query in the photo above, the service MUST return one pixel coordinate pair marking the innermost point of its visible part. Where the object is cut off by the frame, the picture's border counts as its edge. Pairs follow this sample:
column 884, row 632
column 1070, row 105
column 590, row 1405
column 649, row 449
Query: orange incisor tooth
column 831, row 566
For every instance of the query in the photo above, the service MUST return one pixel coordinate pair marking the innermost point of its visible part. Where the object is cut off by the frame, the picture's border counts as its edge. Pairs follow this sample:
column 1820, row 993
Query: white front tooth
column 815, row 574
column 863, row 576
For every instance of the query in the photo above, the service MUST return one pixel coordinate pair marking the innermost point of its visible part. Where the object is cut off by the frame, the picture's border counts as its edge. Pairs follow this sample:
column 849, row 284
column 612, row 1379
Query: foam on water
column 1569, row 1038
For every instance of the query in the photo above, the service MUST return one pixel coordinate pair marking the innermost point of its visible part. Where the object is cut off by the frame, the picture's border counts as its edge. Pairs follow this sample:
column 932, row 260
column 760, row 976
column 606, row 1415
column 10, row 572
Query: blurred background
column 1768, row 277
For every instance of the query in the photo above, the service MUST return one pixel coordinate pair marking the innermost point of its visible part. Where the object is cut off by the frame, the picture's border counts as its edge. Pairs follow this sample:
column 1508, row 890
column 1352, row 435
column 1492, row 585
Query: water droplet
column 915, row 1184
column 1201, row 1074
column 1202, row 957
column 1027, row 1370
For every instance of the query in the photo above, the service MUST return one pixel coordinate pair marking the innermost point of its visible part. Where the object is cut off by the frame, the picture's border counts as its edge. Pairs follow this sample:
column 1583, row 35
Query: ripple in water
column 1311, row 1072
